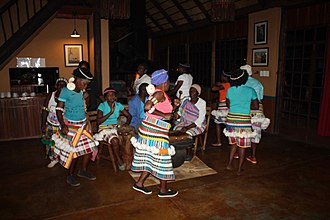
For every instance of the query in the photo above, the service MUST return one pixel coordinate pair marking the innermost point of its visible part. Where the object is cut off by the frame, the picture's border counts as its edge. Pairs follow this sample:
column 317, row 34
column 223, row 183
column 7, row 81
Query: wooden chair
column 92, row 118
column 203, row 136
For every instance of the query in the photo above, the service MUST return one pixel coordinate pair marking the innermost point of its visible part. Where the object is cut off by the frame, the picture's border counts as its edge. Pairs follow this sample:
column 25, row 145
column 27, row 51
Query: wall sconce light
column 74, row 32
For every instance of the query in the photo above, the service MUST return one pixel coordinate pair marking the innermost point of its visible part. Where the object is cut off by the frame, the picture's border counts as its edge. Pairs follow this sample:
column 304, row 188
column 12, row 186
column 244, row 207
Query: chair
column 203, row 136
column 92, row 118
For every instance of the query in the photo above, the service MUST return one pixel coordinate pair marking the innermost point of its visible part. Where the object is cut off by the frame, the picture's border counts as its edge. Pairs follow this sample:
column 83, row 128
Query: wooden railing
column 20, row 20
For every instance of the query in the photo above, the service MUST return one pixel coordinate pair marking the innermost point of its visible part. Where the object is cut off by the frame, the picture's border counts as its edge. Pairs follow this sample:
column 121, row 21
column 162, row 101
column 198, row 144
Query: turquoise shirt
column 105, row 108
column 74, row 108
column 240, row 99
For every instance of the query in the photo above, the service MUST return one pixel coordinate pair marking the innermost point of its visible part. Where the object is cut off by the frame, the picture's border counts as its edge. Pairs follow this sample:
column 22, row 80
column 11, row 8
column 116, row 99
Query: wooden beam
column 154, row 21
column 161, row 10
column 181, row 9
column 202, row 8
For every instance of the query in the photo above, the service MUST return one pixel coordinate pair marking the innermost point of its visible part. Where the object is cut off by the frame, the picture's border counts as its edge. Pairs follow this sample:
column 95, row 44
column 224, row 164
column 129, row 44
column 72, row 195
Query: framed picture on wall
column 73, row 54
column 260, row 32
column 260, row 57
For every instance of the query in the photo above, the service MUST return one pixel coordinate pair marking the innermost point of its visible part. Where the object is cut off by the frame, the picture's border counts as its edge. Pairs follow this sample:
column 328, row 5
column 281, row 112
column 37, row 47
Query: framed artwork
column 260, row 32
column 260, row 57
column 73, row 54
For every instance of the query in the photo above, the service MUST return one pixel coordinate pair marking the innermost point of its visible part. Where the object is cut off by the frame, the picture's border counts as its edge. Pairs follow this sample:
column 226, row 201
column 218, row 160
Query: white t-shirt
column 143, row 79
column 187, row 80
column 201, row 105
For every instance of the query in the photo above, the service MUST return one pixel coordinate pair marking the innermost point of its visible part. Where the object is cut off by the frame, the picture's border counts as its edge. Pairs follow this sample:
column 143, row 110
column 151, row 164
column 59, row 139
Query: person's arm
column 255, row 104
column 217, row 87
column 127, row 115
column 102, row 118
column 45, row 112
column 176, row 88
column 149, row 106
column 227, row 102
column 59, row 114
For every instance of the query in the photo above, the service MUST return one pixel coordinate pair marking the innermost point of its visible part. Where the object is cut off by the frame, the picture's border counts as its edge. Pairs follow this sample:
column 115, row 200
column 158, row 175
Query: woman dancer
column 152, row 149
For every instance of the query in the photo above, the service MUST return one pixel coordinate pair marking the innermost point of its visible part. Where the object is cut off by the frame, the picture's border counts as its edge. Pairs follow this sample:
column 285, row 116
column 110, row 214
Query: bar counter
column 20, row 118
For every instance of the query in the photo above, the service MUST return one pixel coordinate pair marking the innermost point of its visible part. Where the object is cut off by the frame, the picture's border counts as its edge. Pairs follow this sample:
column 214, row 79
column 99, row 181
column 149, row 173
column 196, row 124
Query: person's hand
column 113, row 107
column 184, row 129
column 64, row 129
column 176, row 102
column 176, row 116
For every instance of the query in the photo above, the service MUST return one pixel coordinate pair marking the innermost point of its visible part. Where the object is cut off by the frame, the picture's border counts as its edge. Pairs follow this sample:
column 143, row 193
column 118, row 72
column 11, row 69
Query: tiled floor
column 290, row 181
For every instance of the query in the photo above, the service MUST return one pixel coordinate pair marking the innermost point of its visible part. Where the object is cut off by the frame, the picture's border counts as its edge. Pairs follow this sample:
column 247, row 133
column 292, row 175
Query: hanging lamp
column 75, row 33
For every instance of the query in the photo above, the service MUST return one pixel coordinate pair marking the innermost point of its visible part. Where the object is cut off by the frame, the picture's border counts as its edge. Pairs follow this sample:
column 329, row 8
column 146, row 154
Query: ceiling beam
column 204, row 11
column 154, row 21
column 183, row 11
column 161, row 10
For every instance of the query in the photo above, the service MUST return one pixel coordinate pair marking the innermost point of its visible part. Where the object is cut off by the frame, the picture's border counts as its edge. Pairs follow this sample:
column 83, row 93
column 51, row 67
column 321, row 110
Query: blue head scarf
column 159, row 77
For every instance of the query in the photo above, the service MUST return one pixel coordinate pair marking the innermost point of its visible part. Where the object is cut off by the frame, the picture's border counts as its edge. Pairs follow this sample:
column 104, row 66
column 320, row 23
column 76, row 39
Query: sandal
column 216, row 145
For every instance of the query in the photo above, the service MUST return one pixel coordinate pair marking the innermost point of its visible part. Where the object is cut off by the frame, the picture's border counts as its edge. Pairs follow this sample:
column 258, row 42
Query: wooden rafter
column 154, row 21
column 202, row 8
column 161, row 10
column 181, row 9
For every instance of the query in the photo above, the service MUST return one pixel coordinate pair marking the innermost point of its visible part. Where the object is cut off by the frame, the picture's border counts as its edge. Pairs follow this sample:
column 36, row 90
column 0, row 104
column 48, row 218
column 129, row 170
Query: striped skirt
column 106, row 133
column 152, row 149
column 220, row 115
column 259, row 122
column 46, row 139
column 239, row 129
column 77, row 142
column 193, row 131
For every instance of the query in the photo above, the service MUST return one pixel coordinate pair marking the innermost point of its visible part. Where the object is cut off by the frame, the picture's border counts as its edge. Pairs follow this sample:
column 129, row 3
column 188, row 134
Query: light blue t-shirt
column 105, row 108
column 240, row 99
column 74, row 109
column 257, row 86
column 136, row 109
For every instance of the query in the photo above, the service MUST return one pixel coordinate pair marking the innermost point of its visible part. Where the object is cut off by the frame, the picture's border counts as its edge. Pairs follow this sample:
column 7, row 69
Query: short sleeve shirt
column 74, row 108
column 105, row 108
column 240, row 99
column 187, row 80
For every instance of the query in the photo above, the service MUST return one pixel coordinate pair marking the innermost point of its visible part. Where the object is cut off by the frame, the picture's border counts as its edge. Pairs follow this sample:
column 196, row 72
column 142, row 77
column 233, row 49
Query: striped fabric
column 239, row 130
column 220, row 115
column 189, row 114
column 106, row 133
column 46, row 139
column 78, row 142
column 152, row 149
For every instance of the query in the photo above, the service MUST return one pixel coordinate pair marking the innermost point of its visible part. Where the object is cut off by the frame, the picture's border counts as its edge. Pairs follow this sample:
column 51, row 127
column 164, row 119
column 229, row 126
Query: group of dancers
column 68, row 136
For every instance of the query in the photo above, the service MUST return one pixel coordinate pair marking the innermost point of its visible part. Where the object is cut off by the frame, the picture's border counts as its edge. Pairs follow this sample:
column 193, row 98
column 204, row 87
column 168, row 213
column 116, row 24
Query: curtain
column 324, row 120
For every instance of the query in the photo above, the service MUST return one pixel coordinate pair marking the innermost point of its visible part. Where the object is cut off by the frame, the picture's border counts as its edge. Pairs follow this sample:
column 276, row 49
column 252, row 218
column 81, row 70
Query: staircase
column 20, row 21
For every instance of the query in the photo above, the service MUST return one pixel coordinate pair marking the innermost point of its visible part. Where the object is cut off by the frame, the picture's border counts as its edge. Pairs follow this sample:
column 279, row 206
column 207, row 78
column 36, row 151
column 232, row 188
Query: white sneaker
column 52, row 163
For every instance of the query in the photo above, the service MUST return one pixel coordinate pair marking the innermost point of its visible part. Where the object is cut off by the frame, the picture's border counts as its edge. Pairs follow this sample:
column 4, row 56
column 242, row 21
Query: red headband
column 109, row 90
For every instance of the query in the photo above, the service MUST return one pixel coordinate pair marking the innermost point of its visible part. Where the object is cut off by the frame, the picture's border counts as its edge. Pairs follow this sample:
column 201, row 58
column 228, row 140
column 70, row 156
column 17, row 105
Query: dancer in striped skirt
column 74, row 138
column 221, row 113
column 239, row 128
column 152, row 149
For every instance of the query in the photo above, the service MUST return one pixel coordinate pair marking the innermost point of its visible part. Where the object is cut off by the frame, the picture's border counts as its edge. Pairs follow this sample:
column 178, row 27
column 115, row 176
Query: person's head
column 224, row 77
column 142, row 89
column 195, row 91
column 248, row 69
column 82, row 77
column 160, row 79
column 110, row 94
column 142, row 68
column 183, row 68
column 238, row 77
column 60, row 83
column 84, row 64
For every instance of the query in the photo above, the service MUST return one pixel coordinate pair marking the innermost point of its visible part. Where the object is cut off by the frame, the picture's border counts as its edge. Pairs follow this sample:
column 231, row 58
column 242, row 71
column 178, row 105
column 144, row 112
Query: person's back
column 240, row 99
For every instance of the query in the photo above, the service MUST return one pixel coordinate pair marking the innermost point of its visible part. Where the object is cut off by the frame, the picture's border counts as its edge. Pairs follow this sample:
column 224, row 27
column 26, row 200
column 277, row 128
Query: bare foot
column 216, row 145
column 239, row 172
column 229, row 167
